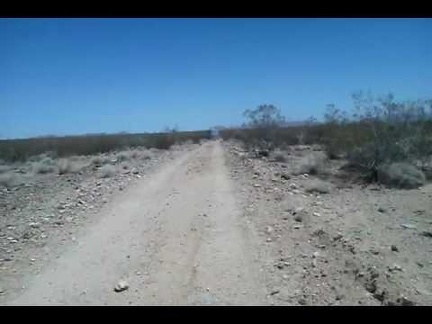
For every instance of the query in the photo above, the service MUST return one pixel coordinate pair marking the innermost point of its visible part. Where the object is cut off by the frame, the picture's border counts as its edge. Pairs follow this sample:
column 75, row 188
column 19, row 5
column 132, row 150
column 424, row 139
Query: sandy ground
column 176, row 239
column 213, row 226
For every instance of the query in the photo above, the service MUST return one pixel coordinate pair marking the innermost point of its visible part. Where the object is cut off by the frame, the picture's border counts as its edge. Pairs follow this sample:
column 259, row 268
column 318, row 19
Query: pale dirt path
column 177, row 238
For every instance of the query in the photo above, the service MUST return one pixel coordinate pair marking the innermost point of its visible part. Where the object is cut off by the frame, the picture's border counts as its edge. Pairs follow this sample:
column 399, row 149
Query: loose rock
column 122, row 285
column 408, row 226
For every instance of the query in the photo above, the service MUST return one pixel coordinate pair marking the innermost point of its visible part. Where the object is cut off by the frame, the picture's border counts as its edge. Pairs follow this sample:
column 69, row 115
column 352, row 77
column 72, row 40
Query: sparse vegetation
column 378, row 132
column 10, row 180
column 313, row 163
column 279, row 156
column 317, row 186
column 66, row 165
column 25, row 149
column 400, row 175
column 107, row 171
column 46, row 165
column 4, row 169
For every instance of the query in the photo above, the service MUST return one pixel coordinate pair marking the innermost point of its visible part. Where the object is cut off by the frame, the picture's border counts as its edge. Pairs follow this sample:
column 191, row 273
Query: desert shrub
column 146, row 155
column 65, row 165
column 400, row 175
column 123, row 156
column 278, row 156
column 107, row 171
column 46, row 165
column 10, row 180
column 317, row 186
column 125, row 166
column 100, row 160
column 90, row 144
column 4, row 169
column 380, row 131
column 313, row 163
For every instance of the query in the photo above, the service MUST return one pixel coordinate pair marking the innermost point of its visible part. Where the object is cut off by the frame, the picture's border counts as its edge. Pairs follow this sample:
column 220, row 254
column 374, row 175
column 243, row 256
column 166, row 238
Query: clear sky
column 75, row 76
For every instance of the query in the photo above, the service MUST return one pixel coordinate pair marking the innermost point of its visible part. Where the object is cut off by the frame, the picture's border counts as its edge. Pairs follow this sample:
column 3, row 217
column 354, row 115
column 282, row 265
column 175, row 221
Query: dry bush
column 279, row 156
column 317, row 186
column 379, row 132
column 4, row 168
column 146, row 155
column 314, row 163
column 125, row 166
column 65, row 165
column 107, row 171
column 46, row 165
column 401, row 175
column 10, row 180
column 99, row 160
column 123, row 156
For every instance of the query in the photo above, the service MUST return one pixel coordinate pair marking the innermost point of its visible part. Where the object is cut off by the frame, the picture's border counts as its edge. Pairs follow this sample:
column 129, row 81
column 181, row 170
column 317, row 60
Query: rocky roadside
column 328, row 241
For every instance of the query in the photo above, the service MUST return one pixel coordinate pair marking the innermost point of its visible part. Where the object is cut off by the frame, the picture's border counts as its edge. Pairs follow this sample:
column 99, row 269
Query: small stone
column 257, row 185
column 374, row 251
column 395, row 267
column 394, row 248
column 269, row 229
column 285, row 276
column 285, row 176
column 302, row 301
column 297, row 226
column 316, row 214
column 269, row 239
column 315, row 255
column 274, row 292
column 408, row 226
column 427, row 233
column 339, row 296
column 293, row 186
column 381, row 210
column 122, row 285
column 135, row 171
column 406, row 302
column 337, row 237
column 298, row 217
column 34, row 225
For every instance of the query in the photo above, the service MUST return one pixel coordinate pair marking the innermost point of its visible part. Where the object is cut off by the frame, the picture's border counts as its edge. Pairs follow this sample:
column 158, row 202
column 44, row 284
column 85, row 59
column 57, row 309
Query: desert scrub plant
column 262, row 126
column 4, row 168
column 380, row 131
column 313, row 163
column 46, row 165
column 125, row 166
column 107, row 171
column 99, row 160
column 65, row 165
column 146, row 155
column 317, row 186
column 10, row 180
column 400, row 175
column 278, row 156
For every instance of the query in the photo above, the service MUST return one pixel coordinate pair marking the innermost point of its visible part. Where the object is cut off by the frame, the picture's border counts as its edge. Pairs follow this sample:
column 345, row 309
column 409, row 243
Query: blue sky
column 75, row 76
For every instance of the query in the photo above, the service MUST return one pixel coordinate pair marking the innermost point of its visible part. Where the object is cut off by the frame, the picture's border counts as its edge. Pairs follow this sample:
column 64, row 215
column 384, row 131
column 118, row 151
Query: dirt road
column 177, row 238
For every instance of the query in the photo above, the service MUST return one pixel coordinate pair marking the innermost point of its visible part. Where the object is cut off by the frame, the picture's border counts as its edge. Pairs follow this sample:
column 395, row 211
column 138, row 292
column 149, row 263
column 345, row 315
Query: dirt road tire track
column 176, row 238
